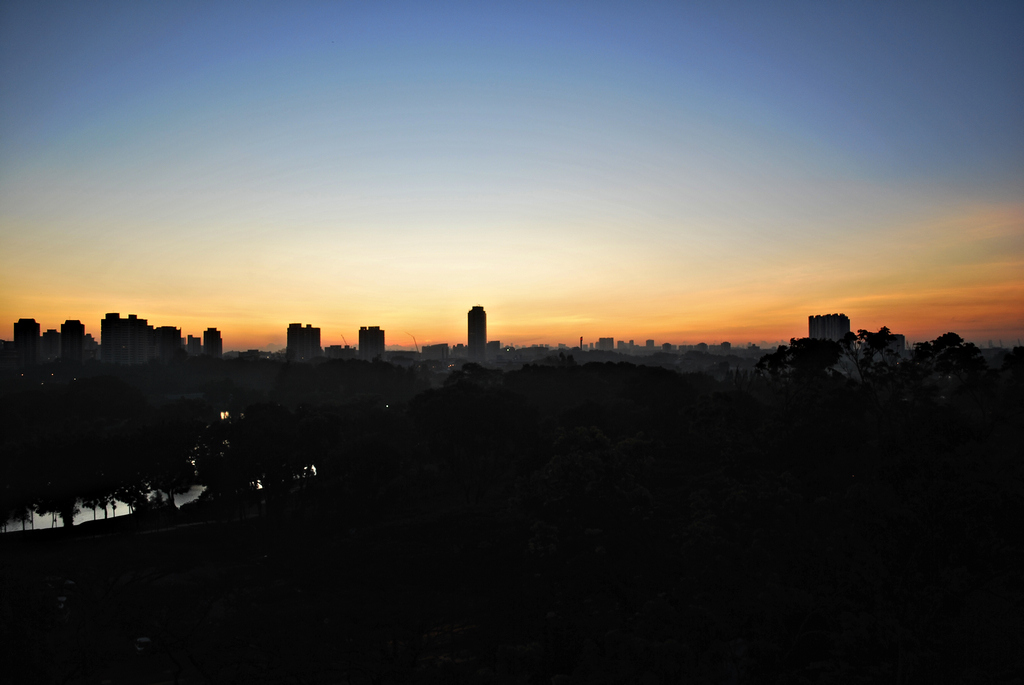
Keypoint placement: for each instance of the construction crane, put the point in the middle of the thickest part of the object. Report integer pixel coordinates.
(414, 343)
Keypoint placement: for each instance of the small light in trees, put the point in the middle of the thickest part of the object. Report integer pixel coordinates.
(224, 415)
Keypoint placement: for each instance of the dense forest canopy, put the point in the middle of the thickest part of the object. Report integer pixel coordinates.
(842, 512)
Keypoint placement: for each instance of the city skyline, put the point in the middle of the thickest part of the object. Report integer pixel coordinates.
(304, 343)
(680, 174)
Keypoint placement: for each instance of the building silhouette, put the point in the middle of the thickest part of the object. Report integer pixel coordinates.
(477, 341)
(828, 326)
(49, 345)
(606, 344)
(371, 343)
(213, 346)
(125, 341)
(167, 342)
(493, 348)
(437, 352)
(26, 342)
(194, 346)
(339, 352)
(72, 342)
(8, 355)
(303, 343)
(898, 345)
(90, 348)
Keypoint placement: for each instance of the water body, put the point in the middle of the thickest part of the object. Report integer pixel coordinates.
(50, 521)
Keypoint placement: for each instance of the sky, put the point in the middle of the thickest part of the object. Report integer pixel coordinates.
(687, 172)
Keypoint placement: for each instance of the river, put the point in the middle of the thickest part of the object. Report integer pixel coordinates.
(51, 521)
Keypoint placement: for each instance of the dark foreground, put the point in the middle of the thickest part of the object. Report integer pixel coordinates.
(563, 523)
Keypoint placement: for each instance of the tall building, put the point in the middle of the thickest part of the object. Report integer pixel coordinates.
(213, 346)
(167, 342)
(72, 342)
(371, 342)
(26, 342)
(8, 355)
(477, 343)
(90, 348)
(828, 326)
(194, 346)
(899, 345)
(124, 341)
(50, 345)
(303, 343)
(606, 344)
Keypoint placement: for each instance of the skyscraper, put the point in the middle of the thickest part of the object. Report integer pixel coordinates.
(303, 343)
(828, 326)
(72, 342)
(371, 342)
(50, 345)
(124, 341)
(26, 342)
(167, 342)
(194, 346)
(212, 344)
(477, 342)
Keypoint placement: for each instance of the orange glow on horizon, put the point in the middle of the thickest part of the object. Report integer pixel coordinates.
(925, 278)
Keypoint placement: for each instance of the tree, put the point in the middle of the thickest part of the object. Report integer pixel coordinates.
(475, 433)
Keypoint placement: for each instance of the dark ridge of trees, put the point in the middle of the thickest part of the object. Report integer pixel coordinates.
(840, 514)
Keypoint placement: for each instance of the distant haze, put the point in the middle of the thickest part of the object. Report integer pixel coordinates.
(630, 171)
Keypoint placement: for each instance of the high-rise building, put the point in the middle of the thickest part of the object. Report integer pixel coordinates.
(125, 341)
(303, 343)
(50, 345)
(194, 346)
(898, 345)
(8, 355)
(477, 342)
(828, 326)
(213, 346)
(72, 342)
(167, 342)
(371, 342)
(606, 344)
(26, 342)
(90, 348)
(493, 348)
